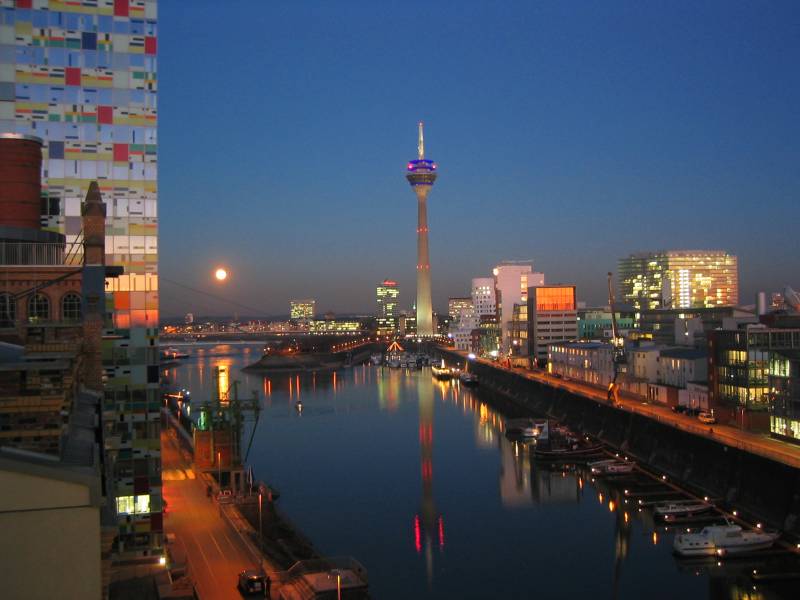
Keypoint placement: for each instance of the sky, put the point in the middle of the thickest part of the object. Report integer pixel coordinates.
(570, 133)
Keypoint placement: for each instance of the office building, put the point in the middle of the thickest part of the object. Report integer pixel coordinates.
(689, 326)
(302, 310)
(484, 296)
(457, 305)
(82, 77)
(552, 317)
(594, 324)
(511, 282)
(679, 279)
(754, 378)
(386, 294)
(421, 174)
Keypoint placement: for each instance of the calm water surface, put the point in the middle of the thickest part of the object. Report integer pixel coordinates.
(414, 478)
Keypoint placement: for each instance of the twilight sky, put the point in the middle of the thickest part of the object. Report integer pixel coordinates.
(572, 133)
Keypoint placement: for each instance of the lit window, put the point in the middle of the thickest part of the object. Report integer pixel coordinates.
(127, 505)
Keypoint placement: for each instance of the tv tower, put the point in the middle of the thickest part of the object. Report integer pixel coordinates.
(421, 175)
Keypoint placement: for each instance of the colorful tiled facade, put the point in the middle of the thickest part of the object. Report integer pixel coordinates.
(82, 75)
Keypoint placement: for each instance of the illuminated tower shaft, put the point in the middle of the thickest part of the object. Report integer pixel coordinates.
(421, 175)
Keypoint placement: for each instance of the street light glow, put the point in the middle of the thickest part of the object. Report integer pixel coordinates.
(221, 274)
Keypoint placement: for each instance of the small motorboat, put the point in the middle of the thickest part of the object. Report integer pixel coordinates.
(721, 540)
(468, 379)
(671, 510)
(611, 467)
(442, 372)
(173, 354)
(574, 452)
(298, 406)
(525, 428)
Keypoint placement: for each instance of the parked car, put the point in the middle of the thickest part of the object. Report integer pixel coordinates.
(693, 412)
(252, 581)
(224, 497)
(679, 408)
(706, 417)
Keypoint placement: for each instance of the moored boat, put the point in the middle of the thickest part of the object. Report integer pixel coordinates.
(468, 379)
(376, 358)
(611, 467)
(669, 510)
(442, 372)
(526, 428)
(721, 540)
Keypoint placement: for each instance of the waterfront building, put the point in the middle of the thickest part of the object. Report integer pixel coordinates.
(300, 310)
(594, 324)
(589, 362)
(462, 326)
(386, 294)
(511, 282)
(82, 77)
(679, 279)
(421, 174)
(678, 367)
(551, 317)
(690, 326)
(486, 338)
(754, 378)
(336, 326)
(484, 296)
(456, 305)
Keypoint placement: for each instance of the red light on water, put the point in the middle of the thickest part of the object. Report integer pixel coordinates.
(417, 535)
(441, 533)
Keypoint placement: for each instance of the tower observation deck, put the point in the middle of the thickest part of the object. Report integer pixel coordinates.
(421, 174)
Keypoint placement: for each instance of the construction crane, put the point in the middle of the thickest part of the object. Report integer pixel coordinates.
(618, 345)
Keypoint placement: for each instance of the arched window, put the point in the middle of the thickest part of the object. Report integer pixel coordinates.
(71, 307)
(8, 310)
(38, 308)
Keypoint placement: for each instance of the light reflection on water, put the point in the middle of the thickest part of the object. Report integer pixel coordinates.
(416, 478)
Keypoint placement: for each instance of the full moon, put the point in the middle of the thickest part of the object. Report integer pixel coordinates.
(221, 274)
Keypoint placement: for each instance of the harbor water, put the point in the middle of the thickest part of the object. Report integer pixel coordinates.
(415, 478)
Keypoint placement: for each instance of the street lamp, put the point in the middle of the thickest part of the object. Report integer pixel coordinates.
(219, 470)
(260, 525)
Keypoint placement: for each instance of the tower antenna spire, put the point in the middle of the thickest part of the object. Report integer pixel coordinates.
(421, 143)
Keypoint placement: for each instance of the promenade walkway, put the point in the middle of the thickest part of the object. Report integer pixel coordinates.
(755, 443)
(214, 551)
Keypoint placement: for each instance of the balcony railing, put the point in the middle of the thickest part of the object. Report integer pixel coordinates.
(40, 253)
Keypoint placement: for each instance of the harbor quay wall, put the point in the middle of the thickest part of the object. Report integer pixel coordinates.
(763, 489)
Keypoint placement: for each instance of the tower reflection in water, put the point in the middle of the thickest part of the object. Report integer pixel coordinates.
(428, 525)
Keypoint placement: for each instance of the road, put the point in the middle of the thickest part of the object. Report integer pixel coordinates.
(215, 552)
(760, 444)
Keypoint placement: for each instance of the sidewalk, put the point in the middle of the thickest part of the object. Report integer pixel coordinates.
(761, 445)
(215, 553)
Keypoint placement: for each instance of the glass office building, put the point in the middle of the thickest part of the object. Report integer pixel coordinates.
(386, 294)
(679, 279)
(82, 77)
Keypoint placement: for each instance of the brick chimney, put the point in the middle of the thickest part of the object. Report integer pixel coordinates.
(93, 215)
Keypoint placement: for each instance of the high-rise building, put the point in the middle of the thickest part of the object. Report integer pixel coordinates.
(82, 77)
(511, 282)
(455, 306)
(679, 279)
(386, 294)
(484, 297)
(552, 318)
(302, 309)
(421, 175)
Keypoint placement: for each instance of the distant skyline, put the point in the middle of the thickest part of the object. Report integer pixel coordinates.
(569, 133)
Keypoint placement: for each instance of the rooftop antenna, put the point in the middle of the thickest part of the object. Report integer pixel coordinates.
(421, 143)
